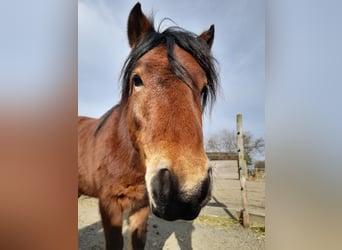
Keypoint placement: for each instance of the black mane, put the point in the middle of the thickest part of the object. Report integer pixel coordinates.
(103, 119)
(186, 40)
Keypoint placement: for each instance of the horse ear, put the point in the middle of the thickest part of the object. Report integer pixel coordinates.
(208, 36)
(138, 25)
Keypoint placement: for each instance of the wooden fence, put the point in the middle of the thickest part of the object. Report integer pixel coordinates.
(216, 156)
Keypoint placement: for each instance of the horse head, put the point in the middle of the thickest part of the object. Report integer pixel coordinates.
(167, 81)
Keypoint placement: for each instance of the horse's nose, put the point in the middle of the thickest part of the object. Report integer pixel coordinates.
(172, 203)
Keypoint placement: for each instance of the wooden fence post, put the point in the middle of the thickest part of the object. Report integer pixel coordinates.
(242, 169)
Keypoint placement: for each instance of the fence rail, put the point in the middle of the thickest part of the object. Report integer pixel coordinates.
(215, 156)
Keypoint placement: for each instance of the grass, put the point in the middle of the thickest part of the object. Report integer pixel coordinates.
(259, 230)
(227, 222)
(216, 221)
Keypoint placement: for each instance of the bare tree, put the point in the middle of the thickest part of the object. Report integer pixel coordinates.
(228, 141)
(252, 146)
(213, 144)
(225, 141)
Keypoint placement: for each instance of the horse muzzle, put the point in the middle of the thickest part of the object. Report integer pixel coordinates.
(172, 203)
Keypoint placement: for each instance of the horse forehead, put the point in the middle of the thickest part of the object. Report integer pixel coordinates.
(157, 58)
(189, 63)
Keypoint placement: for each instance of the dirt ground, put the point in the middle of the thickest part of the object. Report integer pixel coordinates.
(215, 228)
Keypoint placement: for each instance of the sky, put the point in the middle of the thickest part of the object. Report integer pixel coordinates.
(239, 47)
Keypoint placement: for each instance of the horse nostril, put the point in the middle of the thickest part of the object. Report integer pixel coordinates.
(161, 185)
(206, 189)
(165, 181)
(210, 171)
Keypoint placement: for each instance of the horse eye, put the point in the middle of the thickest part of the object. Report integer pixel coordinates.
(204, 91)
(137, 81)
(204, 97)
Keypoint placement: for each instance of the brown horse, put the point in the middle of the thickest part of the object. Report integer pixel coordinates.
(147, 151)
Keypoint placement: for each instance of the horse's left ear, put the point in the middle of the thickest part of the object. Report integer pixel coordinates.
(138, 25)
(208, 36)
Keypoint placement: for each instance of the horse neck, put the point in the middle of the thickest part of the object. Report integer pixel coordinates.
(122, 144)
(121, 131)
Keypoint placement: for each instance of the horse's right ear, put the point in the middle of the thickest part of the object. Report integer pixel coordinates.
(138, 25)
